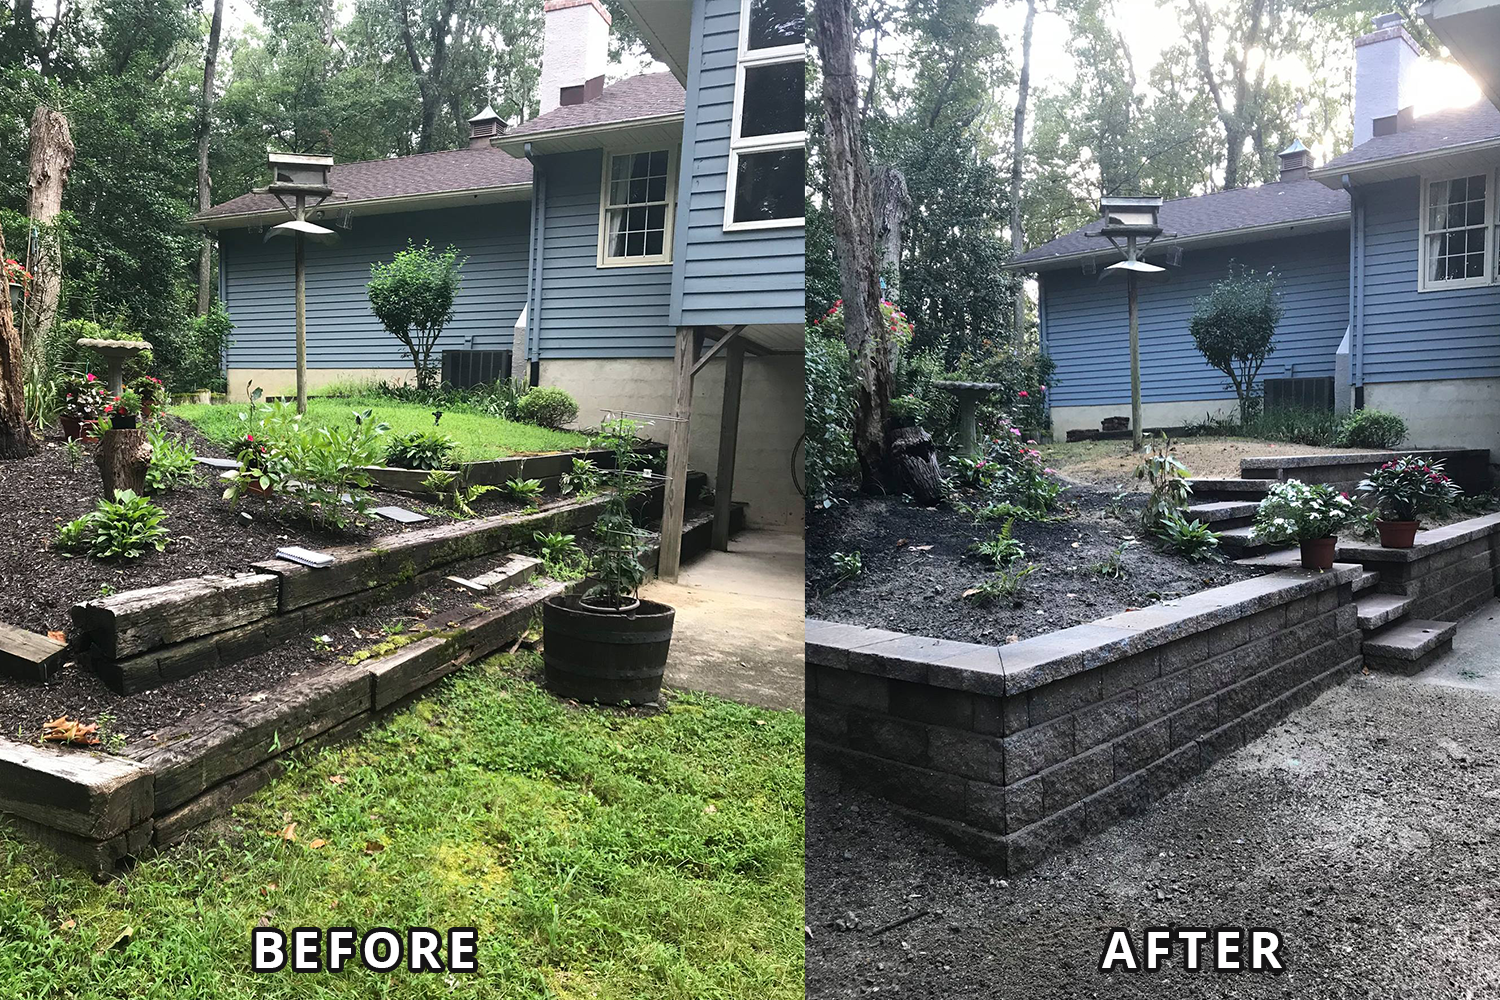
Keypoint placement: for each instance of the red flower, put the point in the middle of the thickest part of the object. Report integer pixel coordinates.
(1024, 394)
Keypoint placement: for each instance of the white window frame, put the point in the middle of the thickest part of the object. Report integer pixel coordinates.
(1492, 229)
(665, 257)
(747, 58)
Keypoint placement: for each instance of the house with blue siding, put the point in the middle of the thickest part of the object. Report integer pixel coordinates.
(639, 244)
(1386, 255)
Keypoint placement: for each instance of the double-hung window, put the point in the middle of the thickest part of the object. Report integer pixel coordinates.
(768, 138)
(1459, 228)
(635, 209)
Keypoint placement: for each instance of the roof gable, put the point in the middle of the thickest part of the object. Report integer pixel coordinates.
(1433, 134)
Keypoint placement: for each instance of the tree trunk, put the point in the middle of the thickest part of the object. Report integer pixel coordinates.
(865, 331)
(51, 158)
(1017, 239)
(892, 204)
(123, 458)
(15, 436)
(205, 194)
(915, 459)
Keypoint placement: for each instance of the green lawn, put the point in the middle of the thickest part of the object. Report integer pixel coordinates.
(479, 437)
(599, 856)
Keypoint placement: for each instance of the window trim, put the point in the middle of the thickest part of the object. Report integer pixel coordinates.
(1491, 226)
(747, 58)
(655, 260)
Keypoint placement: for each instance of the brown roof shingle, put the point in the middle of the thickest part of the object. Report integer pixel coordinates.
(1283, 202)
(1431, 133)
(647, 96)
(424, 173)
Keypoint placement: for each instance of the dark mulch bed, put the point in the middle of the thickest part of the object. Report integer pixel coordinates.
(80, 694)
(209, 535)
(910, 588)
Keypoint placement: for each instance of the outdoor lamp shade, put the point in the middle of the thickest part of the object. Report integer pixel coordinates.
(1138, 268)
(310, 230)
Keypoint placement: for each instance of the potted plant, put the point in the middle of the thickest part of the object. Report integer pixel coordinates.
(83, 402)
(1403, 490)
(1307, 513)
(152, 392)
(20, 282)
(123, 411)
(608, 645)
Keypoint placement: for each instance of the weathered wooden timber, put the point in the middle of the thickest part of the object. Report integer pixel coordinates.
(122, 625)
(88, 794)
(28, 655)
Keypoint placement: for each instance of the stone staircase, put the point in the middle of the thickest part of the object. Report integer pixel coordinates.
(1227, 506)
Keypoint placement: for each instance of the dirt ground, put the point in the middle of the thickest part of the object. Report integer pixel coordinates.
(917, 567)
(1112, 464)
(1365, 827)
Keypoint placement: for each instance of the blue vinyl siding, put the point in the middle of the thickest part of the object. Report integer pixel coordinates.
(1087, 323)
(724, 279)
(587, 311)
(1410, 335)
(342, 332)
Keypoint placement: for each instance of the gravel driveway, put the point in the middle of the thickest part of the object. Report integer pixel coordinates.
(1366, 827)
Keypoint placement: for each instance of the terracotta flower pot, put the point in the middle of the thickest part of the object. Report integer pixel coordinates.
(1397, 534)
(1317, 553)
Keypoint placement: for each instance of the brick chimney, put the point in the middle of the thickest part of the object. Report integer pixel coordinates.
(485, 127)
(1385, 61)
(1296, 161)
(575, 51)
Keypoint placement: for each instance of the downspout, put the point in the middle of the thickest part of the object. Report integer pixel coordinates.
(538, 249)
(1356, 283)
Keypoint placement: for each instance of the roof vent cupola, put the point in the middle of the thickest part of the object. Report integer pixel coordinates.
(1296, 162)
(485, 127)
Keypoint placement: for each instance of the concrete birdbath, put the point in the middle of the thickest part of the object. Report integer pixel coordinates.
(969, 395)
(116, 353)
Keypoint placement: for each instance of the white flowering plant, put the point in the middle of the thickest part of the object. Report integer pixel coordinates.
(1294, 511)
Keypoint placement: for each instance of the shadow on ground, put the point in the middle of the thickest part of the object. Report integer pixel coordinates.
(1365, 826)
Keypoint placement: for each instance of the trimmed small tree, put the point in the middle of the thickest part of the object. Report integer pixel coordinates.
(412, 296)
(1234, 328)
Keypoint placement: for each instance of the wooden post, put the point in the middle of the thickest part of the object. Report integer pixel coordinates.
(301, 268)
(123, 457)
(729, 434)
(675, 502)
(1136, 435)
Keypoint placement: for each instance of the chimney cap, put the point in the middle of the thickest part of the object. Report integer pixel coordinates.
(1388, 20)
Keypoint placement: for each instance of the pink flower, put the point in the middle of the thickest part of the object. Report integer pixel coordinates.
(1042, 387)
(90, 377)
(1024, 394)
(1049, 471)
(1016, 431)
(1030, 442)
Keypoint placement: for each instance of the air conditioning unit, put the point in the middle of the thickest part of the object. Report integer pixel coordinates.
(462, 369)
(1298, 393)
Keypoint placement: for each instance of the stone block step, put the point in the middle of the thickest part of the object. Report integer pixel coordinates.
(1377, 610)
(1408, 646)
(1367, 580)
(1225, 513)
(1238, 543)
(1240, 490)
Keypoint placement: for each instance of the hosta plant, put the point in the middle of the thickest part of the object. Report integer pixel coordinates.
(1295, 511)
(123, 528)
(420, 450)
(1191, 539)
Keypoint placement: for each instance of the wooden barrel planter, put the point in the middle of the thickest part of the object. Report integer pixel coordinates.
(605, 656)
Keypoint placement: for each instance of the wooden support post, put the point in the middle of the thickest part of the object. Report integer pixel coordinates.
(675, 504)
(301, 269)
(1136, 432)
(729, 432)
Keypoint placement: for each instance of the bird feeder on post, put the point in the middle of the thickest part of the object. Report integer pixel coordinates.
(300, 177)
(1132, 219)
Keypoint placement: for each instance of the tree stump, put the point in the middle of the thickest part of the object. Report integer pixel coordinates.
(915, 459)
(123, 457)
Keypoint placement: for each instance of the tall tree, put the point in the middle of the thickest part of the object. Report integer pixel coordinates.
(205, 122)
(1017, 159)
(848, 176)
(50, 160)
(436, 23)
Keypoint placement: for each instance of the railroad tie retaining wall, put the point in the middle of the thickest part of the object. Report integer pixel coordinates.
(1015, 752)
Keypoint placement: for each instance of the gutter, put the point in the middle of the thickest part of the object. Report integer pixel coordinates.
(1332, 175)
(536, 261)
(515, 144)
(1254, 232)
(1356, 282)
(369, 206)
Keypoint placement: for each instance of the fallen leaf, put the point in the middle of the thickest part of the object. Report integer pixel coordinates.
(373, 847)
(921, 548)
(123, 938)
(58, 637)
(67, 925)
(71, 731)
(710, 808)
(1012, 638)
(269, 888)
(337, 779)
(315, 844)
(333, 905)
(971, 592)
(900, 542)
(288, 833)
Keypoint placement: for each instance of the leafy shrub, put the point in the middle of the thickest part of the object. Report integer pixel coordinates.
(172, 463)
(1294, 511)
(1001, 549)
(1004, 510)
(1168, 478)
(524, 490)
(848, 565)
(420, 450)
(828, 412)
(1371, 429)
(458, 497)
(123, 528)
(973, 471)
(562, 557)
(909, 411)
(1297, 425)
(584, 479)
(616, 564)
(1020, 477)
(546, 406)
(1191, 539)
(412, 296)
(1234, 328)
(1409, 486)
